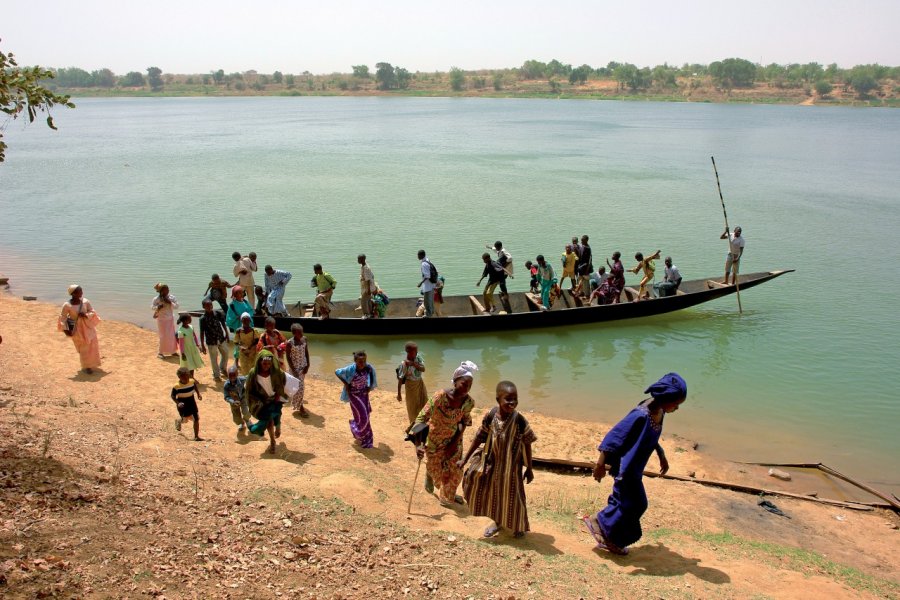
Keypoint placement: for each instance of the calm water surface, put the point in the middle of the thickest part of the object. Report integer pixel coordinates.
(132, 191)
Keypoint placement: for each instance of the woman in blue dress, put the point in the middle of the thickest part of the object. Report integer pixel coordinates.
(624, 452)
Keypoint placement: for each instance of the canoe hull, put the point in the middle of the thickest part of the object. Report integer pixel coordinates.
(696, 292)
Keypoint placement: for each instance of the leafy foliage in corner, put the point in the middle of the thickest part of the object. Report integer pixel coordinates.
(21, 91)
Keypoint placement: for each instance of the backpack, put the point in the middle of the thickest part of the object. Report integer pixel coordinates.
(432, 272)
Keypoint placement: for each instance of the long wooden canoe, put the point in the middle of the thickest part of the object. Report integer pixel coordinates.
(465, 314)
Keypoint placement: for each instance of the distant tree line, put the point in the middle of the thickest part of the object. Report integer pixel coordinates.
(726, 75)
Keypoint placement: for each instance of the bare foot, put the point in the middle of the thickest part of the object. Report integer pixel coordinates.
(277, 432)
(271, 450)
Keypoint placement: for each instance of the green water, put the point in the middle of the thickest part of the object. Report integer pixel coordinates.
(132, 191)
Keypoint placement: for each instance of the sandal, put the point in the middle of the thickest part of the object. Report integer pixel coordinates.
(491, 530)
(594, 531)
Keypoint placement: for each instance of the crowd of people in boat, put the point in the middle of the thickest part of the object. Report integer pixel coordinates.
(268, 373)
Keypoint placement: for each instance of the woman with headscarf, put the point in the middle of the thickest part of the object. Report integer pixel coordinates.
(164, 305)
(624, 452)
(448, 413)
(359, 379)
(79, 321)
(238, 306)
(264, 392)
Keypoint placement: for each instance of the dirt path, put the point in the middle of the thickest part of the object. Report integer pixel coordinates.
(102, 498)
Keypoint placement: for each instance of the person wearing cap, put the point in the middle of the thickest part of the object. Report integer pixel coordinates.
(735, 251)
(448, 413)
(79, 321)
(245, 342)
(624, 453)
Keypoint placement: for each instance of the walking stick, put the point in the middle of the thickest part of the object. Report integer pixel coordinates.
(413, 490)
(734, 264)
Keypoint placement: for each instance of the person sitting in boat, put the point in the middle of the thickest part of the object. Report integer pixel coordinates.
(597, 278)
(380, 301)
(606, 293)
(671, 282)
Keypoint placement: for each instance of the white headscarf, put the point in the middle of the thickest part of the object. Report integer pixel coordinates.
(465, 369)
(245, 315)
(71, 289)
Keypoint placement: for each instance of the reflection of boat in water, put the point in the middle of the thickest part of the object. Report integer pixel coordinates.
(465, 314)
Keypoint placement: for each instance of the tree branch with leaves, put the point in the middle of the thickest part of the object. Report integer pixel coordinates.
(21, 91)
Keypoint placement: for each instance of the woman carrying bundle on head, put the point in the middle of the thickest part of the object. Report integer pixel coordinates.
(448, 413)
(624, 452)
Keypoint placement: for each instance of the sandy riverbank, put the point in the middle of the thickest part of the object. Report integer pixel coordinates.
(105, 499)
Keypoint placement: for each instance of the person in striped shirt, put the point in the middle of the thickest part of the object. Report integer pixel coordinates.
(183, 394)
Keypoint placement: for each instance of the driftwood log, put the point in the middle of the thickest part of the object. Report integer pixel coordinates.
(551, 463)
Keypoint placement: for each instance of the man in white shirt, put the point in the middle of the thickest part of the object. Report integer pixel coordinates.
(735, 251)
(503, 257)
(426, 284)
(671, 281)
(366, 286)
(244, 266)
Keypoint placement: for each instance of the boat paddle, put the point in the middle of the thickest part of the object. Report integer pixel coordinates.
(735, 264)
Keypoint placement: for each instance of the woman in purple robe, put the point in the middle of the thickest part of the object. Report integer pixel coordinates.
(624, 452)
(359, 379)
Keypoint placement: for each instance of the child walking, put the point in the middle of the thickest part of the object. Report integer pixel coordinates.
(233, 390)
(188, 345)
(214, 337)
(297, 359)
(245, 341)
(493, 483)
(271, 340)
(359, 379)
(409, 373)
(183, 394)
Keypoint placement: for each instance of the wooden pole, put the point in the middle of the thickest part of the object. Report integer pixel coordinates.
(413, 490)
(735, 264)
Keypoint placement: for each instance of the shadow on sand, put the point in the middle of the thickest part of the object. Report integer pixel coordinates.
(659, 561)
(96, 375)
(291, 456)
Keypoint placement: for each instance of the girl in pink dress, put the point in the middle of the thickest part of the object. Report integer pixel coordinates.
(84, 328)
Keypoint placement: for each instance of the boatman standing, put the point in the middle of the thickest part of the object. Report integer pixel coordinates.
(735, 251)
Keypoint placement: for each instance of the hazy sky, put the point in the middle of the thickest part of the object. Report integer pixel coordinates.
(190, 36)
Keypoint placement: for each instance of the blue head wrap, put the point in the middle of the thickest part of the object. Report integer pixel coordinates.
(670, 387)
